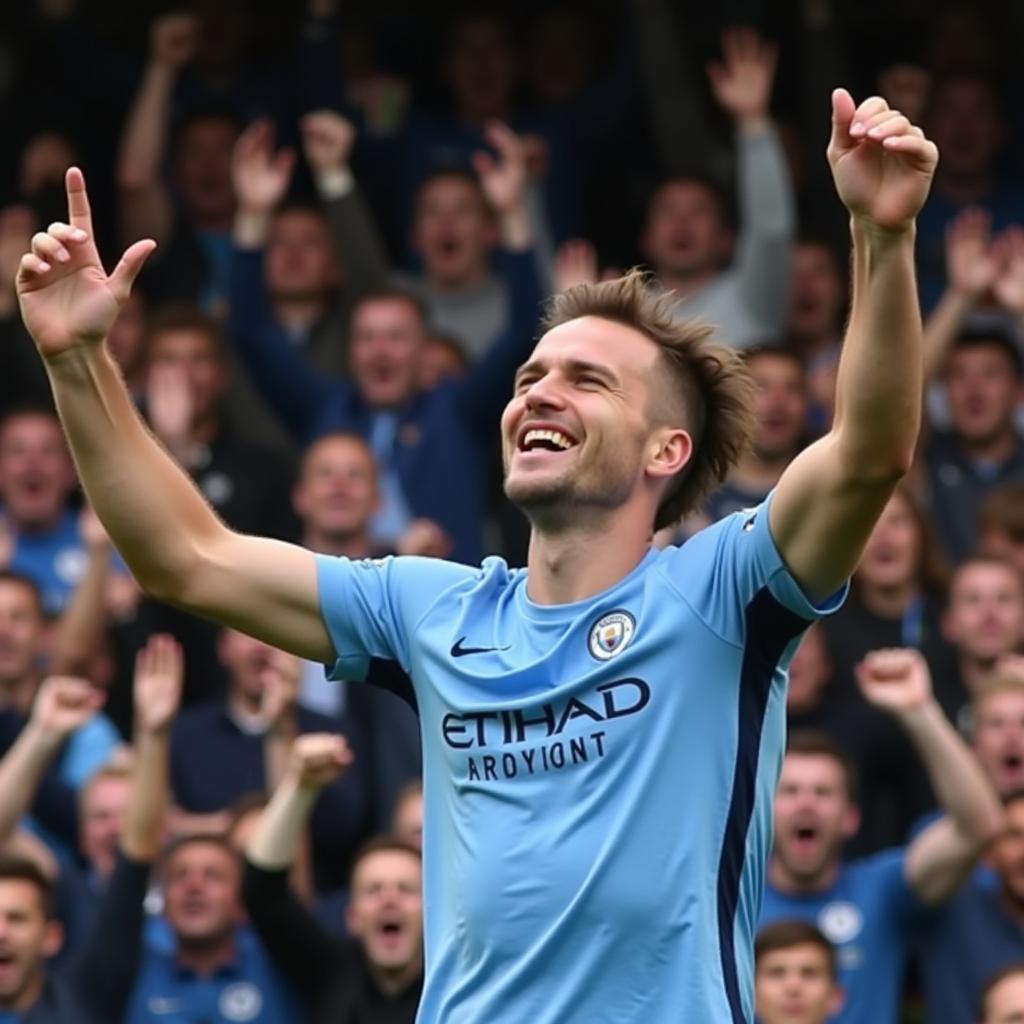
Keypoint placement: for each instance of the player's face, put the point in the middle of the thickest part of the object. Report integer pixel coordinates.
(386, 909)
(300, 260)
(999, 739)
(983, 392)
(36, 472)
(574, 433)
(893, 550)
(685, 233)
(26, 939)
(780, 405)
(813, 815)
(1005, 1002)
(986, 611)
(203, 169)
(194, 354)
(385, 344)
(794, 986)
(816, 297)
(246, 660)
(454, 230)
(103, 810)
(201, 889)
(337, 493)
(21, 631)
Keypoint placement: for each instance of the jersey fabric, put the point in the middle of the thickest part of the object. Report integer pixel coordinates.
(598, 776)
(869, 915)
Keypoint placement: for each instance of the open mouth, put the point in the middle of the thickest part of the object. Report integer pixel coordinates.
(546, 440)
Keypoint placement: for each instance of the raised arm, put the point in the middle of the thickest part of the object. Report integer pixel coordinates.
(830, 496)
(898, 682)
(165, 530)
(144, 203)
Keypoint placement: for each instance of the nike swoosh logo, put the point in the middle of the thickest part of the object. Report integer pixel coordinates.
(458, 651)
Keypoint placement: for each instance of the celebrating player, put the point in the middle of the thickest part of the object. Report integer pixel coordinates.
(602, 731)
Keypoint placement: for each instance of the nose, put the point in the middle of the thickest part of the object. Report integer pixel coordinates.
(544, 393)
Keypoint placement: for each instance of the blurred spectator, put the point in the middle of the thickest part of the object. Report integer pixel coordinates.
(795, 975)
(432, 450)
(1002, 999)
(443, 359)
(966, 123)
(984, 622)
(375, 979)
(1001, 524)
(867, 907)
(739, 283)
(187, 378)
(217, 970)
(95, 986)
(997, 736)
(191, 219)
(407, 820)
(980, 930)
(225, 748)
(22, 651)
(814, 327)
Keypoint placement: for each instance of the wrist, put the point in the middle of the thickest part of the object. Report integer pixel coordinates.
(252, 225)
(43, 738)
(334, 182)
(516, 228)
(753, 124)
(921, 716)
(285, 726)
(865, 230)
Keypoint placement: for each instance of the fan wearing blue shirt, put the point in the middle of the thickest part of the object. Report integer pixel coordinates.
(603, 730)
(869, 908)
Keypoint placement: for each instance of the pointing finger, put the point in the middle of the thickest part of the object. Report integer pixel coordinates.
(78, 201)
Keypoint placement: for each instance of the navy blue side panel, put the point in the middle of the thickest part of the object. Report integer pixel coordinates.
(769, 629)
(388, 675)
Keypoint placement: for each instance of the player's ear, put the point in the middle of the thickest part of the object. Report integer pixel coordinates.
(670, 449)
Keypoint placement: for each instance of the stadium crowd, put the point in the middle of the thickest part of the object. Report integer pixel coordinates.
(359, 214)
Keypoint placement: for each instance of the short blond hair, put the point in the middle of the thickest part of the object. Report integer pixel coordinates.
(997, 683)
(710, 380)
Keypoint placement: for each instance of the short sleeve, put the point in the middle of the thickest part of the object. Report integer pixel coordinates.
(371, 606)
(723, 568)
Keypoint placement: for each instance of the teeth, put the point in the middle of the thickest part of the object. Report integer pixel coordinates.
(554, 436)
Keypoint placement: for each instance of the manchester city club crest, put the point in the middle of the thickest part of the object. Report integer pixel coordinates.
(611, 634)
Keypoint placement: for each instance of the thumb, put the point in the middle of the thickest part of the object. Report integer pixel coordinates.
(123, 277)
(843, 109)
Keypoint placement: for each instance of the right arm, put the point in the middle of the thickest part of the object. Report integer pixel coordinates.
(145, 205)
(166, 532)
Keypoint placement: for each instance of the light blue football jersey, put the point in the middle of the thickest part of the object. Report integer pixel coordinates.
(598, 776)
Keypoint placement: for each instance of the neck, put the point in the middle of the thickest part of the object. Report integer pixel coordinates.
(393, 980)
(572, 563)
(206, 956)
(28, 996)
(887, 602)
(757, 472)
(41, 527)
(975, 672)
(961, 191)
(797, 885)
(473, 278)
(685, 283)
(299, 314)
(997, 448)
(356, 545)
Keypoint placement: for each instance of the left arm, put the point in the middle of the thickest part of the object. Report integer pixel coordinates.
(938, 860)
(828, 499)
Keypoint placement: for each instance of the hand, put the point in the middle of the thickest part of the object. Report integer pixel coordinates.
(170, 406)
(742, 83)
(281, 679)
(536, 154)
(503, 180)
(64, 704)
(173, 40)
(895, 679)
(157, 684)
(575, 263)
(1008, 253)
(882, 164)
(425, 538)
(93, 533)
(906, 87)
(67, 298)
(327, 140)
(970, 263)
(16, 226)
(261, 176)
(317, 759)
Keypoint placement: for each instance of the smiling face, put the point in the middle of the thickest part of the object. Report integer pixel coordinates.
(983, 388)
(336, 495)
(386, 909)
(985, 618)
(386, 341)
(27, 938)
(578, 434)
